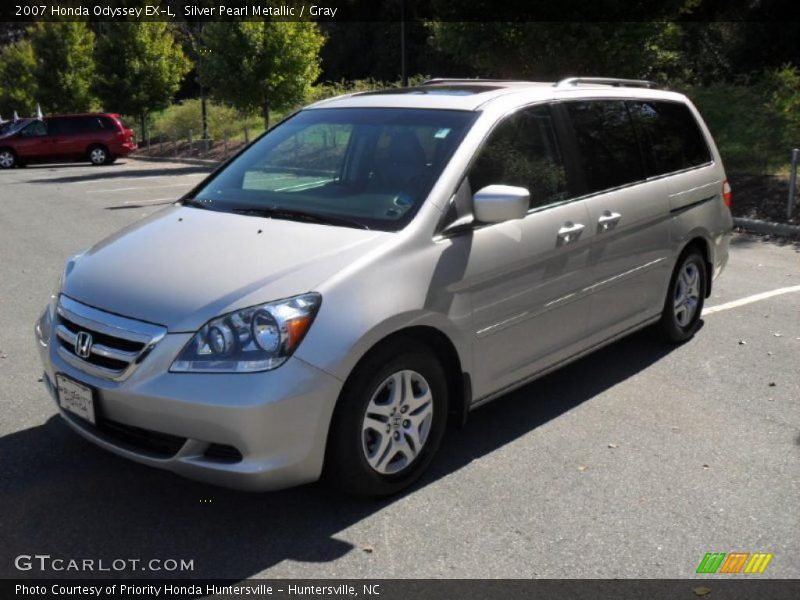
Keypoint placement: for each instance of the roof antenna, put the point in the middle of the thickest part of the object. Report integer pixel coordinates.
(39, 114)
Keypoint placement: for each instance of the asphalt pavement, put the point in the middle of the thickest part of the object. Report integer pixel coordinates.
(633, 462)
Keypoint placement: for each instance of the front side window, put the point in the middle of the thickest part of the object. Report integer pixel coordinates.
(370, 167)
(670, 133)
(607, 145)
(35, 129)
(523, 151)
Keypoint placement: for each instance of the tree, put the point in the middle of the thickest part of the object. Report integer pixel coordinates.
(65, 66)
(139, 68)
(17, 83)
(551, 50)
(260, 65)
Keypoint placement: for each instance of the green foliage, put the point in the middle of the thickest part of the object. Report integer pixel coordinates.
(552, 50)
(65, 68)
(783, 85)
(140, 66)
(260, 65)
(754, 123)
(17, 84)
(329, 89)
(181, 118)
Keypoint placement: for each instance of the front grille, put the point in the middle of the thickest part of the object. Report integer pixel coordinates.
(117, 344)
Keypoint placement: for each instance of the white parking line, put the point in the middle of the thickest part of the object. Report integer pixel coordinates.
(139, 187)
(750, 299)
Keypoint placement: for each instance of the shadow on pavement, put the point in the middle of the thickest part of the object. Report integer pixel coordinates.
(56, 166)
(64, 497)
(105, 174)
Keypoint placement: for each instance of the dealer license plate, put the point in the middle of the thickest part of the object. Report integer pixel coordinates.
(75, 397)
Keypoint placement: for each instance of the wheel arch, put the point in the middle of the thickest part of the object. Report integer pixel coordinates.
(96, 145)
(458, 381)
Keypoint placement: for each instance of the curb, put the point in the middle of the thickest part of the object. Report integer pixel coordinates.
(767, 227)
(179, 159)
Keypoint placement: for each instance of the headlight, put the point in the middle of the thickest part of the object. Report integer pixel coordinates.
(258, 338)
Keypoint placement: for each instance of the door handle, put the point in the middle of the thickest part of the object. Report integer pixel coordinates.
(608, 219)
(570, 232)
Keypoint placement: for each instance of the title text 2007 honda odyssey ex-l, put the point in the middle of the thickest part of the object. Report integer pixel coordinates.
(379, 264)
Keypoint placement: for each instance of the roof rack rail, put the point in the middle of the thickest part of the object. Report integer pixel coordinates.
(573, 81)
(465, 80)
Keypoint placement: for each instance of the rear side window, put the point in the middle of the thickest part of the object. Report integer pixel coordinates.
(59, 126)
(523, 151)
(109, 124)
(91, 124)
(671, 136)
(607, 145)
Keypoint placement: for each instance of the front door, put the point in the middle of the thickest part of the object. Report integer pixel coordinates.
(526, 277)
(33, 142)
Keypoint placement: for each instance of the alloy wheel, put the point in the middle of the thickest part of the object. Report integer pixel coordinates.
(397, 422)
(97, 156)
(6, 159)
(687, 294)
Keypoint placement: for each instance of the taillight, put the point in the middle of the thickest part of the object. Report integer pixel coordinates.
(727, 194)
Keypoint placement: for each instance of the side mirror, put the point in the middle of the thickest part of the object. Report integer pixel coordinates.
(498, 203)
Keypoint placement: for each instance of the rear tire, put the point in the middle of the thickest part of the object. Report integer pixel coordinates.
(99, 155)
(7, 159)
(683, 306)
(389, 421)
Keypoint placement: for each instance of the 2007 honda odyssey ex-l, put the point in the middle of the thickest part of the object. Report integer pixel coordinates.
(379, 264)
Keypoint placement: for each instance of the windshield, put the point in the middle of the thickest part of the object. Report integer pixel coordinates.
(10, 127)
(367, 167)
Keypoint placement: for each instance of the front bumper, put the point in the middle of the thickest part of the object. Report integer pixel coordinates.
(277, 420)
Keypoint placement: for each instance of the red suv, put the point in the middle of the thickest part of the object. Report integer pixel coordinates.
(99, 138)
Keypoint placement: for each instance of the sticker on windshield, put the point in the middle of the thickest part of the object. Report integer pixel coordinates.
(442, 133)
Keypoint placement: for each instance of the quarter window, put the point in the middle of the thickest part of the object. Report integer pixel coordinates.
(671, 136)
(607, 145)
(523, 151)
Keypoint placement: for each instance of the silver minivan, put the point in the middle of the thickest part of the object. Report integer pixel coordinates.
(379, 264)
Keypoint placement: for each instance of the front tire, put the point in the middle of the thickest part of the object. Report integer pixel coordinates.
(389, 421)
(683, 306)
(7, 159)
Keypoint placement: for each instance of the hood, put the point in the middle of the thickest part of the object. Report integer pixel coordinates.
(183, 266)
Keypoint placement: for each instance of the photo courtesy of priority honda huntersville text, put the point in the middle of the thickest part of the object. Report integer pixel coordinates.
(364, 274)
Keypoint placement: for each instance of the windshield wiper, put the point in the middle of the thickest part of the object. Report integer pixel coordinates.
(299, 215)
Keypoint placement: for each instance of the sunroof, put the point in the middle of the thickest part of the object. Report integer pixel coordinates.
(438, 90)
